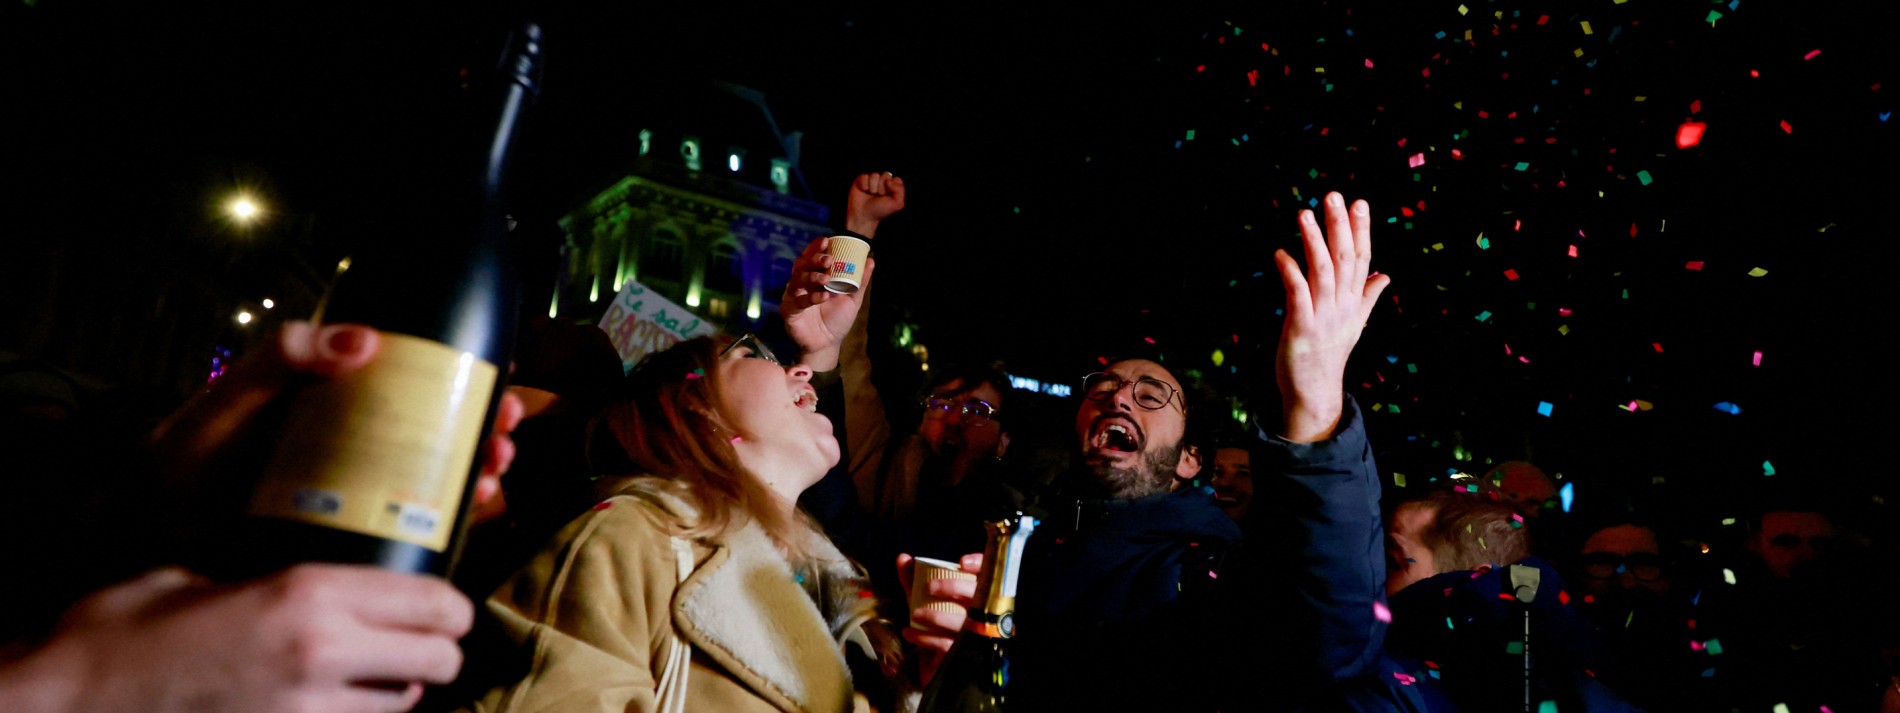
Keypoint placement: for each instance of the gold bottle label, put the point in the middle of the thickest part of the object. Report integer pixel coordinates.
(385, 450)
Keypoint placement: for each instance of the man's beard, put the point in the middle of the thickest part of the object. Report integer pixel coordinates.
(1153, 473)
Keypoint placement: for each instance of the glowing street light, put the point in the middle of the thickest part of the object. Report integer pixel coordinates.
(244, 209)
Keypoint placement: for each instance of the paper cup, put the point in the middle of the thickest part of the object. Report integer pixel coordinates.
(847, 263)
(924, 571)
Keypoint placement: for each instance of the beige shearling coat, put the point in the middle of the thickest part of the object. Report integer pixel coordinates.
(598, 606)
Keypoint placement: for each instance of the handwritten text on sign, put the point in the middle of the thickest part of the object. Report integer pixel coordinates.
(641, 322)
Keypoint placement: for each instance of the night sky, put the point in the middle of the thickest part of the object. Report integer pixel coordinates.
(1083, 182)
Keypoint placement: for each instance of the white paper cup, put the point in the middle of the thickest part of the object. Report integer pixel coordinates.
(847, 263)
(924, 571)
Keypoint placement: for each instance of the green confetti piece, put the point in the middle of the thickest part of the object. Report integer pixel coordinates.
(1398, 479)
(1757, 272)
(1713, 16)
(1394, 407)
(1714, 646)
(1548, 707)
(1640, 176)
(1482, 316)
(1448, 623)
(1514, 648)
(1190, 135)
(1521, 165)
(1767, 468)
(1411, 368)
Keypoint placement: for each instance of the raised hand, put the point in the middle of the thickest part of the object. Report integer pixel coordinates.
(816, 318)
(1326, 309)
(874, 197)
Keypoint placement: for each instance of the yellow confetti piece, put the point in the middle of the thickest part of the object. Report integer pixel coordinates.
(1467, 35)
(1586, 28)
(1462, 9)
(1579, 52)
(1564, 330)
(1398, 479)
(1757, 272)
(1728, 575)
(1642, 99)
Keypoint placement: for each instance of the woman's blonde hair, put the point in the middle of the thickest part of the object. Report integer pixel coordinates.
(668, 419)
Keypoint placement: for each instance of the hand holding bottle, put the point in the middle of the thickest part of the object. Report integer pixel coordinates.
(210, 428)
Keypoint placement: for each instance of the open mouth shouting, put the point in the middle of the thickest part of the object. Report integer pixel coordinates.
(806, 399)
(1114, 436)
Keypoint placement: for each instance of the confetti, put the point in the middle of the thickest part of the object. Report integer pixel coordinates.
(1381, 612)
(1757, 272)
(1687, 135)
(1729, 408)
(1767, 468)
(1543, 408)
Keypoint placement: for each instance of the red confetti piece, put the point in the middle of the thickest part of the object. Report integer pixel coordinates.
(1695, 107)
(603, 505)
(1754, 73)
(1657, 345)
(1510, 274)
(1456, 154)
(1563, 311)
(1253, 77)
(1573, 251)
(1689, 134)
(1785, 126)
(1694, 265)
(1201, 68)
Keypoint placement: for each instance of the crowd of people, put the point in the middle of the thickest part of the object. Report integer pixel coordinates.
(725, 528)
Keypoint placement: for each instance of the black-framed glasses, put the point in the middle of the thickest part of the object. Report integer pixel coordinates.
(973, 411)
(754, 348)
(1151, 394)
(1644, 566)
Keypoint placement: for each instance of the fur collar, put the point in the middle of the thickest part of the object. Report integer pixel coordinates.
(744, 608)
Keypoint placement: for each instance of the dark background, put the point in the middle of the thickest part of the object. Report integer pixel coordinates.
(1060, 211)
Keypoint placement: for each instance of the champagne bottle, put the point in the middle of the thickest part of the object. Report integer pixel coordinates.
(975, 675)
(377, 466)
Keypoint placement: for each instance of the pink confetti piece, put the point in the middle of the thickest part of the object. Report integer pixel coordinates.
(1381, 612)
(1757, 358)
(1369, 61)
(736, 439)
(1811, 54)
(1573, 251)
(1418, 159)
(1563, 311)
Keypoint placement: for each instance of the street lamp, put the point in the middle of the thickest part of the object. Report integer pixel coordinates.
(244, 209)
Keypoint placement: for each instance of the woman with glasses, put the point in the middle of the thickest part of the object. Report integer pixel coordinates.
(697, 570)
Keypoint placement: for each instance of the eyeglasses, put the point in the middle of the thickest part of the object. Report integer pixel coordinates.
(1150, 394)
(754, 348)
(1644, 566)
(974, 412)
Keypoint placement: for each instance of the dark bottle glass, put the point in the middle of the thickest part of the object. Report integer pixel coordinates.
(975, 675)
(378, 467)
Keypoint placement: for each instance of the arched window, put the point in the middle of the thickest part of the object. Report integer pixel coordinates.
(665, 255)
(779, 274)
(725, 270)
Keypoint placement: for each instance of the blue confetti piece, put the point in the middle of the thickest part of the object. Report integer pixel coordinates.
(1440, 35)
(1482, 316)
(1543, 408)
(1733, 4)
(1389, 359)
(1568, 494)
(1884, 115)
(1729, 408)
